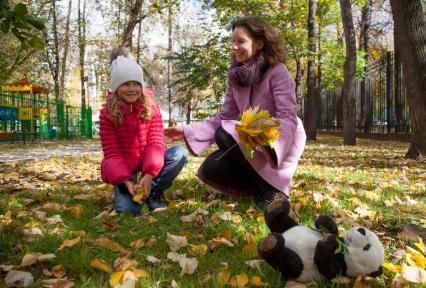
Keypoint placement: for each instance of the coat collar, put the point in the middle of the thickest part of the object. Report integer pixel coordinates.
(133, 107)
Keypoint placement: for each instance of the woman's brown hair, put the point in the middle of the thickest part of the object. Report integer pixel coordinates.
(262, 31)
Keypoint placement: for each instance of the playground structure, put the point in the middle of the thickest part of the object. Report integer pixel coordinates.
(27, 113)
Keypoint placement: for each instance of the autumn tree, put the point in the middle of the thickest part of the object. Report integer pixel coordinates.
(349, 100)
(410, 32)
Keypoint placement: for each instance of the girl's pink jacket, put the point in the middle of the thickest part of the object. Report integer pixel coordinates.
(133, 145)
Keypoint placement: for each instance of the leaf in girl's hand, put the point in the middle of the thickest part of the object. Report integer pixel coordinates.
(139, 194)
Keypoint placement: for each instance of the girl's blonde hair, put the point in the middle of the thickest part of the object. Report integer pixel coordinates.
(116, 114)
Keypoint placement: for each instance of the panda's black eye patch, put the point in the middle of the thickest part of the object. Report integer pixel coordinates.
(366, 247)
(362, 231)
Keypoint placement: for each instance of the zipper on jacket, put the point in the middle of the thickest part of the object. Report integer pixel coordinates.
(131, 107)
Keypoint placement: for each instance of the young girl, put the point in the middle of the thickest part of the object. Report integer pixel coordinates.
(131, 132)
(256, 77)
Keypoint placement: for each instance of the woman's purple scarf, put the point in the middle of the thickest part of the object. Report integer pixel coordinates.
(243, 74)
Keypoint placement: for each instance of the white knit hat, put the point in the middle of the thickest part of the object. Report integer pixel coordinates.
(125, 69)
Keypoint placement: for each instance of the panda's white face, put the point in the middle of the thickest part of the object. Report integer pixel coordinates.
(365, 252)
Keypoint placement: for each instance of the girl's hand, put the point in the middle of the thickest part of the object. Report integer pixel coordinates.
(129, 186)
(146, 182)
(173, 134)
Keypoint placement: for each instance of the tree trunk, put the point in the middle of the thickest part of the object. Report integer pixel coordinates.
(364, 44)
(311, 105)
(169, 65)
(320, 96)
(56, 52)
(349, 103)
(299, 87)
(134, 18)
(188, 111)
(398, 87)
(82, 48)
(410, 26)
(66, 45)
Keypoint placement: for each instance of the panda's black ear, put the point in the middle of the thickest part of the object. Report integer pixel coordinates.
(377, 273)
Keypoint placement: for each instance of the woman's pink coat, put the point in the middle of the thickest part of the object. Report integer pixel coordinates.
(275, 93)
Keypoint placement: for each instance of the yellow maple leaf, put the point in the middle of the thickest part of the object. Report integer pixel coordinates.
(260, 124)
(257, 281)
(101, 265)
(393, 267)
(223, 276)
(421, 246)
(139, 194)
(239, 281)
(415, 258)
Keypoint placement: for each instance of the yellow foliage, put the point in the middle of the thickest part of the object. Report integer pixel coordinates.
(257, 124)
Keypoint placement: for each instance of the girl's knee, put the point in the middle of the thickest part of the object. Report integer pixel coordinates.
(177, 153)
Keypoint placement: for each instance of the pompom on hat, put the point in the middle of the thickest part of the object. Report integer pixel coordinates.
(124, 68)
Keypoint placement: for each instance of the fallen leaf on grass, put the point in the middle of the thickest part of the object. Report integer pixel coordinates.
(193, 216)
(16, 278)
(111, 245)
(55, 219)
(421, 246)
(123, 279)
(151, 241)
(415, 258)
(292, 284)
(124, 263)
(257, 282)
(101, 265)
(69, 243)
(410, 232)
(137, 243)
(414, 274)
(6, 268)
(223, 276)
(239, 281)
(197, 250)
(176, 242)
(58, 271)
(393, 267)
(153, 260)
(188, 265)
(255, 264)
(57, 283)
(32, 258)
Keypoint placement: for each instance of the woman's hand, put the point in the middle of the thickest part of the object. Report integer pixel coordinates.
(129, 186)
(145, 183)
(173, 134)
(255, 142)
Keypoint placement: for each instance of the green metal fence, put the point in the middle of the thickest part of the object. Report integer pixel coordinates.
(29, 117)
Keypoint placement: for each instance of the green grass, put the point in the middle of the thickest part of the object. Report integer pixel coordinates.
(326, 169)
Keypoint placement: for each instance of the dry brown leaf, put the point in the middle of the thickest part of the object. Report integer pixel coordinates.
(111, 245)
(410, 232)
(223, 276)
(16, 278)
(6, 268)
(197, 250)
(251, 212)
(257, 282)
(57, 283)
(176, 242)
(58, 271)
(101, 265)
(139, 273)
(124, 263)
(29, 259)
(255, 264)
(250, 249)
(193, 216)
(239, 281)
(175, 257)
(151, 241)
(153, 260)
(41, 215)
(55, 219)
(292, 284)
(343, 280)
(137, 243)
(69, 243)
(188, 265)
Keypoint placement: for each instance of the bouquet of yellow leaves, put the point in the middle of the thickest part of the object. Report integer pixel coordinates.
(257, 126)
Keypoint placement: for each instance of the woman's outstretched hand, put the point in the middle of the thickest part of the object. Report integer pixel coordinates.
(172, 134)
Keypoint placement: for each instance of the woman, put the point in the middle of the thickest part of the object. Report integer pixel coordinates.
(256, 77)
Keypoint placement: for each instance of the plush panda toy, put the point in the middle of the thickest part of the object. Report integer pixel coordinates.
(303, 254)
